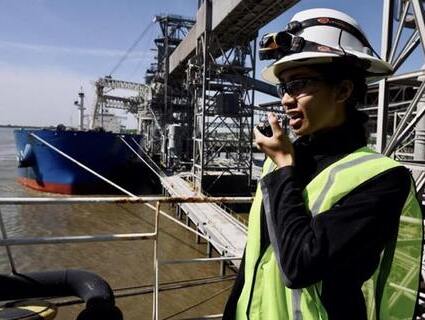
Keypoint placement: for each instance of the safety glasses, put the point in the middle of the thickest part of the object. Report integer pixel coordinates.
(296, 87)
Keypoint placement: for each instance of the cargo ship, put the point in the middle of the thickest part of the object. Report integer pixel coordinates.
(42, 168)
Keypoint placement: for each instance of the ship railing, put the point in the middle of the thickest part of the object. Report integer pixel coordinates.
(158, 200)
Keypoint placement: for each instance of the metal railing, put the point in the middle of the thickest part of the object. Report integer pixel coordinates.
(158, 200)
(121, 237)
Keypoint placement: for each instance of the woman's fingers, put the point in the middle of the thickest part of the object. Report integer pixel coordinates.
(274, 123)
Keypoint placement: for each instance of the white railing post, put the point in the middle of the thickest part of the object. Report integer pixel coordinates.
(155, 300)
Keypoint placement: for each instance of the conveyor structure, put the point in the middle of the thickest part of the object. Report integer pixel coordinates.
(196, 106)
(233, 23)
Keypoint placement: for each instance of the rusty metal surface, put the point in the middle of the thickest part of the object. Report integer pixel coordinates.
(75, 200)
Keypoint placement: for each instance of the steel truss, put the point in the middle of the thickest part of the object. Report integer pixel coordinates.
(223, 117)
(401, 96)
(105, 101)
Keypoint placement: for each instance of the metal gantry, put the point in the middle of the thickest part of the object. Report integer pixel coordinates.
(222, 104)
(196, 107)
(220, 51)
(167, 114)
(106, 101)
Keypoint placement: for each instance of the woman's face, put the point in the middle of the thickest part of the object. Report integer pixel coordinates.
(311, 104)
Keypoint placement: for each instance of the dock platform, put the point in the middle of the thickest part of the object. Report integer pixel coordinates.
(228, 235)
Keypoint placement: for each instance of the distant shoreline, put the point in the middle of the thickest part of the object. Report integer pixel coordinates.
(14, 126)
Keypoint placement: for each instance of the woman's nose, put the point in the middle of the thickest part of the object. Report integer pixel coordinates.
(288, 102)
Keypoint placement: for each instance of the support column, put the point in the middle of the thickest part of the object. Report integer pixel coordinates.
(382, 121)
(419, 149)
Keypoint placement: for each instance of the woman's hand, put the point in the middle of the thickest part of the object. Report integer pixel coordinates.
(278, 147)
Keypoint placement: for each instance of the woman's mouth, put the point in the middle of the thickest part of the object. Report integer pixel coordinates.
(295, 119)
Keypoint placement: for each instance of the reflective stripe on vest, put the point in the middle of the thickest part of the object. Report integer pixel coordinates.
(392, 291)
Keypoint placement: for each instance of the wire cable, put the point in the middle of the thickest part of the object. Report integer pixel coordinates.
(132, 47)
(199, 303)
(147, 58)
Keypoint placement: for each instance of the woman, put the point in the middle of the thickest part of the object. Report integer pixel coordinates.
(324, 238)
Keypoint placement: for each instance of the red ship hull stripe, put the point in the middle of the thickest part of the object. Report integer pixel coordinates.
(46, 186)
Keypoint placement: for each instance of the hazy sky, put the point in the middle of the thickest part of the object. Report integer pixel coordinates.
(50, 48)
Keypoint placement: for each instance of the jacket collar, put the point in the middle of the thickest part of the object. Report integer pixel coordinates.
(339, 140)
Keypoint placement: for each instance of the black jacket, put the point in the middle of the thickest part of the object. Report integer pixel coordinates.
(340, 247)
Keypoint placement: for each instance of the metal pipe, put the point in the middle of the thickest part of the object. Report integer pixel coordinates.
(198, 260)
(76, 239)
(406, 76)
(393, 105)
(211, 316)
(121, 200)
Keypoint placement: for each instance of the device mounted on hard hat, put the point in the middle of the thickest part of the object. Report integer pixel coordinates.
(318, 36)
(279, 44)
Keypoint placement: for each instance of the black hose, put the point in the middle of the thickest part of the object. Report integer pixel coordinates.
(94, 290)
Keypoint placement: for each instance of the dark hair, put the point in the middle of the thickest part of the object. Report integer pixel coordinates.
(340, 70)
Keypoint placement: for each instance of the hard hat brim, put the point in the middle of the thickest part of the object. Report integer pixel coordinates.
(378, 69)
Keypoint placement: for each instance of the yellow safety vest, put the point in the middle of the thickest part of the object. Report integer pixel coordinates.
(390, 294)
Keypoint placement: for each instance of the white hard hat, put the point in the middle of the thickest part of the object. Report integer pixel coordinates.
(320, 36)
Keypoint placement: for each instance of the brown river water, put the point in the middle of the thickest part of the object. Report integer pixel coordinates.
(124, 265)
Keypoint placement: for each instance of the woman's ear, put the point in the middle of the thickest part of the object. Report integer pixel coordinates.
(345, 89)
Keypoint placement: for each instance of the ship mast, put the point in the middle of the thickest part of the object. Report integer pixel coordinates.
(80, 105)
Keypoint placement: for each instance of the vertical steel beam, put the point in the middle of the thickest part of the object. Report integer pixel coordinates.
(206, 38)
(209, 249)
(8, 251)
(419, 20)
(166, 115)
(386, 40)
(419, 150)
(155, 300)
(222, 268)
(200, 93)
(251, 129)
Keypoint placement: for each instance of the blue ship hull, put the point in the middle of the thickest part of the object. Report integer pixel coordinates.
(42, 168)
